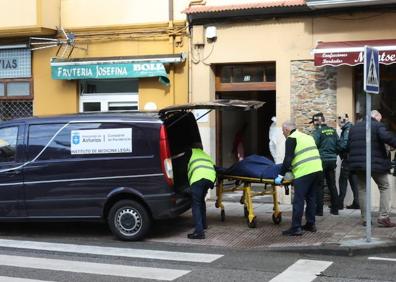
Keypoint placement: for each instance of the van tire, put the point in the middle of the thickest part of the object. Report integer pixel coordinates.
(129, 220)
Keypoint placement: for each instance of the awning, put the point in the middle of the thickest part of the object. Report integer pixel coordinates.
(114, 67)
(351, 52)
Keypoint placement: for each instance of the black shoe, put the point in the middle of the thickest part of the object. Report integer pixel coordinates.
(309, 227)
(196, 235)
(319, 213)
(292, 232)
(353, 207)
(205, 226)
(334, 211)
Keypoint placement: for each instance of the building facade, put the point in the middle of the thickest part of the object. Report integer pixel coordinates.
(68, 56)
(276, 51)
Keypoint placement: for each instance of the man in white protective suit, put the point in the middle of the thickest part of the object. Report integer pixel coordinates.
(277, 142)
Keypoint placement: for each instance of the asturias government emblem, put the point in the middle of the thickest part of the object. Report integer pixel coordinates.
(76, 138)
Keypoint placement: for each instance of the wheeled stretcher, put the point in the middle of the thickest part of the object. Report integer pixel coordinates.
(241, 183)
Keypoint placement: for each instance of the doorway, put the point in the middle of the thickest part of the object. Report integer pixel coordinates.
(244, 82)
(385, 101)
(254, 124)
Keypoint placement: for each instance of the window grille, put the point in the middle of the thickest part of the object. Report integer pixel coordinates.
(10, 109)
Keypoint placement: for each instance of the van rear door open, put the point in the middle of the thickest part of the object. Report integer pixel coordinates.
(220, 104)
(182, 130)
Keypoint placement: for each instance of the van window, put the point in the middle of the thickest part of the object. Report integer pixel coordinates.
(60, 147)
(8, 141)
(39, 136)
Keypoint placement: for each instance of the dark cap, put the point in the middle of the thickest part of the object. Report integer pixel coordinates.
(317, 117)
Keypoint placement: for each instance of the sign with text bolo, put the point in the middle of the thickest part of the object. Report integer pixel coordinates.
(371, 70)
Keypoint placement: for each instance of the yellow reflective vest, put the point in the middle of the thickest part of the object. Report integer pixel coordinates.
(200, 166)
(306, 155)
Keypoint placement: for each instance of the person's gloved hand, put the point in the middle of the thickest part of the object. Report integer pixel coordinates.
(278, 180)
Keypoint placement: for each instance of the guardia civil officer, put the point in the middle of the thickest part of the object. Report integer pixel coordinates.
(326, 140)
(303, 159)
(201, 176)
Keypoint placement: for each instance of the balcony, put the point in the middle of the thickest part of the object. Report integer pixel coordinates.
(25, 18)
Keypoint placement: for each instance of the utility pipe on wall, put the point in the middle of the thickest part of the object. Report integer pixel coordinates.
(172, 38)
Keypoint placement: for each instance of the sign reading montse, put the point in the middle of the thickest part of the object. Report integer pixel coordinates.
(371, 70)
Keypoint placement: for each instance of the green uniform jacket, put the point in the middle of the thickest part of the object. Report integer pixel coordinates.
(326, 139)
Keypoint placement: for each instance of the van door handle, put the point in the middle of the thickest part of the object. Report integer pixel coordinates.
(12, 172)
(35, 167)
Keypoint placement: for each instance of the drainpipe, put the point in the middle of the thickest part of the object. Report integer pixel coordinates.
(192, 3)
(172, 39)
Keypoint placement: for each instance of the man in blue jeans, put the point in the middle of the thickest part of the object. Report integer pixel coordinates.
(201, 176)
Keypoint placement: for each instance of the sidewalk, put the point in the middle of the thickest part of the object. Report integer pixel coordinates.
(342, 234)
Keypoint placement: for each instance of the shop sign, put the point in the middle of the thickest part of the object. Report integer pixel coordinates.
(352, 58)
(15, 63)
(72, 71)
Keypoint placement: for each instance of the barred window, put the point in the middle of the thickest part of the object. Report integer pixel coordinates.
(16, 83)
(10, 109)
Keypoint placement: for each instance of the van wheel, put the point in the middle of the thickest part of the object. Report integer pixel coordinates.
(129, 220)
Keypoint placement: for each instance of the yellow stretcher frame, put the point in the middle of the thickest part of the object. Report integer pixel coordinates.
(245, 184)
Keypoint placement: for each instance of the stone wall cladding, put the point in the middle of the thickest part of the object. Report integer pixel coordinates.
(313, 90)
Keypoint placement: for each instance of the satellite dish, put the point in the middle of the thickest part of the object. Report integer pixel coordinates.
(65, 42)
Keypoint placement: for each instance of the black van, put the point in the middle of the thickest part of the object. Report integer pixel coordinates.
(126, 168)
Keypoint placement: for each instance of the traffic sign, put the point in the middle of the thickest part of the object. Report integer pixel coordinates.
(371, 70)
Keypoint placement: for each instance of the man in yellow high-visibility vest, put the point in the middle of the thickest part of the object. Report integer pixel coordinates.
(303, 159)
(201, 176)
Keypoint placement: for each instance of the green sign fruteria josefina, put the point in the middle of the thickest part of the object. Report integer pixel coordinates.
(67, 71)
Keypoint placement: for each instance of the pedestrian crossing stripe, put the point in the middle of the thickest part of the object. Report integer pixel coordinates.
(383, 259)
(303, 270)
(111, 251)
(17, 279)
(93, 268)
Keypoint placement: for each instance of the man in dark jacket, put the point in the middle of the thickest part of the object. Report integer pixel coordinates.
(345, 173)
(326, 140)
(380, 164)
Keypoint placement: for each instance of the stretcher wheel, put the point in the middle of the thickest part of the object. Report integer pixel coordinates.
(222, 215)
(252, 224)
(245, 212)
(277, 219)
